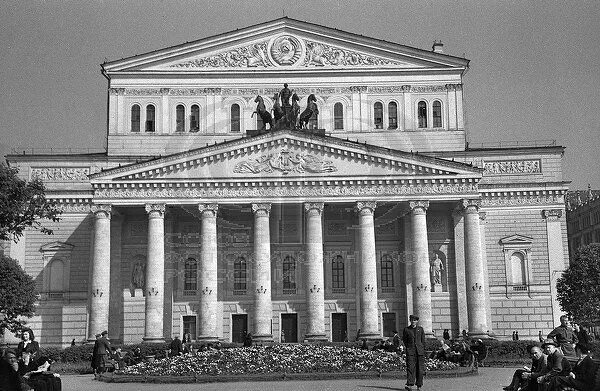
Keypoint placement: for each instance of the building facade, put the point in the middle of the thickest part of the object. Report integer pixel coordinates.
(193, 222)
(583, 218)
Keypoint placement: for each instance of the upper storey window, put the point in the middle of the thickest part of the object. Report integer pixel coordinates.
(378, 115)
(180, 118)
(437, 114)
(135, 118)
(235, 117)
(393, 115)
(195, 119)
(150, 118)
(422, 114)
(338, 116)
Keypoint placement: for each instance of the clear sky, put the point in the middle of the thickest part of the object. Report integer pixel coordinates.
(534, 74)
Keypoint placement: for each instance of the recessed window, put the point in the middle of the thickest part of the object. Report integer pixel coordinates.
(57, 276)
(422, 114)
(235, 117)
(387, 272)
(239, 274)
(135, 118)
(517, 261)
(378, 115)
(289, 274)
(191, 275)
(150, 118)
(337, 273)
(195, 119)
(437, 114)
(180, 118)
(338, 116)
(393, 115)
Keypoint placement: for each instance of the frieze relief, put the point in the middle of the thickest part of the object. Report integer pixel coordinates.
(285, 162)
(61, 174)
(522, 200)
(513, 167)
(291, 191)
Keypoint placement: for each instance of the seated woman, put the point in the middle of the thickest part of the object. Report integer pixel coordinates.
(42, 377)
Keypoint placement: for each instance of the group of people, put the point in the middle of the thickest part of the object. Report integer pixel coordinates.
(551, 367)
(26, 369)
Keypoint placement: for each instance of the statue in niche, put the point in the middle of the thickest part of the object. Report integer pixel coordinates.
(436, 266)
(138, 275)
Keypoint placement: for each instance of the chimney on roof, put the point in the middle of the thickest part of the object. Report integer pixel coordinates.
(438, 47)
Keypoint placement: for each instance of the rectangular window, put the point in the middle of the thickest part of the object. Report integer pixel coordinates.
(239, 275)
(289, 275)
(189, 326)
(389, 323)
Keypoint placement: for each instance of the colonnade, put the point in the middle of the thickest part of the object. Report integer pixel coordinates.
(314, 280)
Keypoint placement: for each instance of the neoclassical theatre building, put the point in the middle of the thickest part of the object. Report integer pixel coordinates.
(192, 221)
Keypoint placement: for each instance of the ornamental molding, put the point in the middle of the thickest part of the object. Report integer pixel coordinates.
(60, 174)
(523, 198)
(552, 214)
(287, 51)
(144, 91)
(513, 167)
(285, 162)
(311, 189)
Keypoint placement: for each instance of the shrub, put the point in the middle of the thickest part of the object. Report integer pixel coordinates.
(77, 353)
(52, 353)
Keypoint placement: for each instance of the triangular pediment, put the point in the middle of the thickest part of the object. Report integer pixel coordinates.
(516, 239)
(289, 155)
(284, 45)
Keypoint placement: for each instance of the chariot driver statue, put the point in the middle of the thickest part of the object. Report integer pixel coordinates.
(285, 95)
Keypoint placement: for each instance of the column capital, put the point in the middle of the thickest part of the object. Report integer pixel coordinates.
(418, 206)
(155, 210)
(208, 209)
(471, 205)
(318, 206)
(366, 206)
(552, 214)
(101, 210)
(261, 208)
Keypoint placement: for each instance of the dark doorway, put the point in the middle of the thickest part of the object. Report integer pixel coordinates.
(389, 323)
(239, 327)
(289, 327)
(339, 327)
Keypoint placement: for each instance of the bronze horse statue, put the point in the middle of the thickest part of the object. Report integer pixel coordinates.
(265, 115)
(311, 109)
(277, 110)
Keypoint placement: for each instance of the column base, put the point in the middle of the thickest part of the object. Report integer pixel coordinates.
(478, 334)
(369, 336)
(262, 338)
(315, 337)
(153, 340)
(207, 338)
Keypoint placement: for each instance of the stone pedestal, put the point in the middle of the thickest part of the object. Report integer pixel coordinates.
(437, 288)
(261, 274)
(100, 284)
(314, 279)
(207, 278)
(155, 274)
(421, 279)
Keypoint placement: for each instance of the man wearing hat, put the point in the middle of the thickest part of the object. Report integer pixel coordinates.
(557, 363)
(413, 337)
(582, 376)
(102, 347)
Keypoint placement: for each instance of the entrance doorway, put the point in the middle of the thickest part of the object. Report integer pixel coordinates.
(289, 327)
(239, 327)
(389, 323)
(339, 327)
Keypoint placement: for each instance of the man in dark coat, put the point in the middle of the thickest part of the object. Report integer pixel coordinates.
(526, 378)
(558, 364)
(413, 337)
(582, 376)
(176, 347)
(565, 337)
(102, 347)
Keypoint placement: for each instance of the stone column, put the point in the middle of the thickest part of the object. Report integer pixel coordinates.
(459, 256)
(155, 273)
(261, 274)
(367, 265)
(421, 280)
(100, 286)
(476, 289)
(208, 273)
(556, 254)
(315, 285)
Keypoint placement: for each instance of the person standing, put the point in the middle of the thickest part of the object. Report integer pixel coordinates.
(27, 350)
(103, 351)
(564, 336)
(446, 335)
(413, 337)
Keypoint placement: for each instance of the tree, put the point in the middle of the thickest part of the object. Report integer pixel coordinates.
(22, 205)
(17, 295)
(579, 287)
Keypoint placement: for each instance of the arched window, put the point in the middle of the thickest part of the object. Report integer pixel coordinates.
(235, 117)
(437, 114)
(517, 261)
(239, 274)
(57, 276)
(378, 115)
(135, 118)
(422, 114)
(338, 116)
(338, 280)
(179, 118)
(289, 275)
(393, 115)
(190, 275)
(150, 120)
(387, 272)
(195, 119)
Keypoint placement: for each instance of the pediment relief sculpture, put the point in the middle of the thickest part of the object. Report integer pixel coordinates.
(285, 161)
(287, 50)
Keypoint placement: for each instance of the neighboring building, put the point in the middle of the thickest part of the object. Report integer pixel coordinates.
(188, 224)
(583, 218)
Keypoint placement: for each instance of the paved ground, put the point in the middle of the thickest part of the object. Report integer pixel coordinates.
(489, 379)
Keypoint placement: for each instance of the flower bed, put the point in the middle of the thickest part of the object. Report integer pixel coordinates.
(282, 359)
